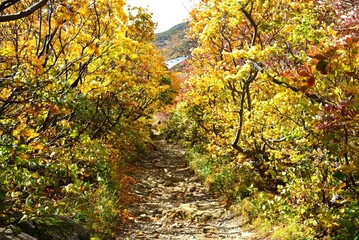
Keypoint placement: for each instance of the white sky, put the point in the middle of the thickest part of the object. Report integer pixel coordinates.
(166, 13)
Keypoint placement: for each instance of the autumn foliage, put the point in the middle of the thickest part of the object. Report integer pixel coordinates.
(79, 82)
(272, 111)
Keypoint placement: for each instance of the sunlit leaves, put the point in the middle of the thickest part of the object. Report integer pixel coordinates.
(79, 81)
(278, 82)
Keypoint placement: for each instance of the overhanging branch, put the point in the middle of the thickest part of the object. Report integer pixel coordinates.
(6, 4)
(24, 13)
(312, 96)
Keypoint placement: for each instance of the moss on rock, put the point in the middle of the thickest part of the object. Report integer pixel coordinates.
(54, 228)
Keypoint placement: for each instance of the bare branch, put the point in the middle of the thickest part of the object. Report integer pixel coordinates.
(6, 4)
(24, 13)
(254, 25)
(250, 78)
(312, 96)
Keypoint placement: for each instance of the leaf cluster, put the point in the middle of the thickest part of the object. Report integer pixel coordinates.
(79, 82)
(274, 91)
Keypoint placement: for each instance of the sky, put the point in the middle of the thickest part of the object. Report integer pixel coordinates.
(166, 13)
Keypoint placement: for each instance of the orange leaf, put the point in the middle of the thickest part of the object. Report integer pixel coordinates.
(303, 73)
(311, 81)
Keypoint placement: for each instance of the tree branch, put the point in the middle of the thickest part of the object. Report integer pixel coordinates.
(24, 13)
(254, 25)
(6, 4)
(312, 96)
(250, 78)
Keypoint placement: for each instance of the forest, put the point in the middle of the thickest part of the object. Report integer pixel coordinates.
(268, 110)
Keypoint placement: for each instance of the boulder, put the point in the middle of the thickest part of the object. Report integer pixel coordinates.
(10, 235)
(46, 228)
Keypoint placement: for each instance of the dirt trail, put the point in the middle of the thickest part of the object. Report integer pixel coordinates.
(174, 203)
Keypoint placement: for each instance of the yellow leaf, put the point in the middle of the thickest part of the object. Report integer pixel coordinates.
(29, 134)
(349, 168)
(36, 175)
(37, 146)
(339, 187)
(4, 93)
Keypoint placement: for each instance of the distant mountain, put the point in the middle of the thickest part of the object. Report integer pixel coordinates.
(173, 43)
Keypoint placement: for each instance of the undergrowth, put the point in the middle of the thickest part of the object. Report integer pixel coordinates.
(269, 213)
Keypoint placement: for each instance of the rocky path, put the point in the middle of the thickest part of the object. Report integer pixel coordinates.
(174, 204)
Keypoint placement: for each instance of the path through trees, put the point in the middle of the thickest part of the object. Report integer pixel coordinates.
(175, 204)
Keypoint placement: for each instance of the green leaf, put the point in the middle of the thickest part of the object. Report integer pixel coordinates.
(340, 176)
(333, 148)
(321, 65)
(2, 199)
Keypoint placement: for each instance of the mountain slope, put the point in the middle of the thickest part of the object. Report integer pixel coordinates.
(173, 43)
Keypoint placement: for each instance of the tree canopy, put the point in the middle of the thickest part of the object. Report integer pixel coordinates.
(272, 102)
(79, 82)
